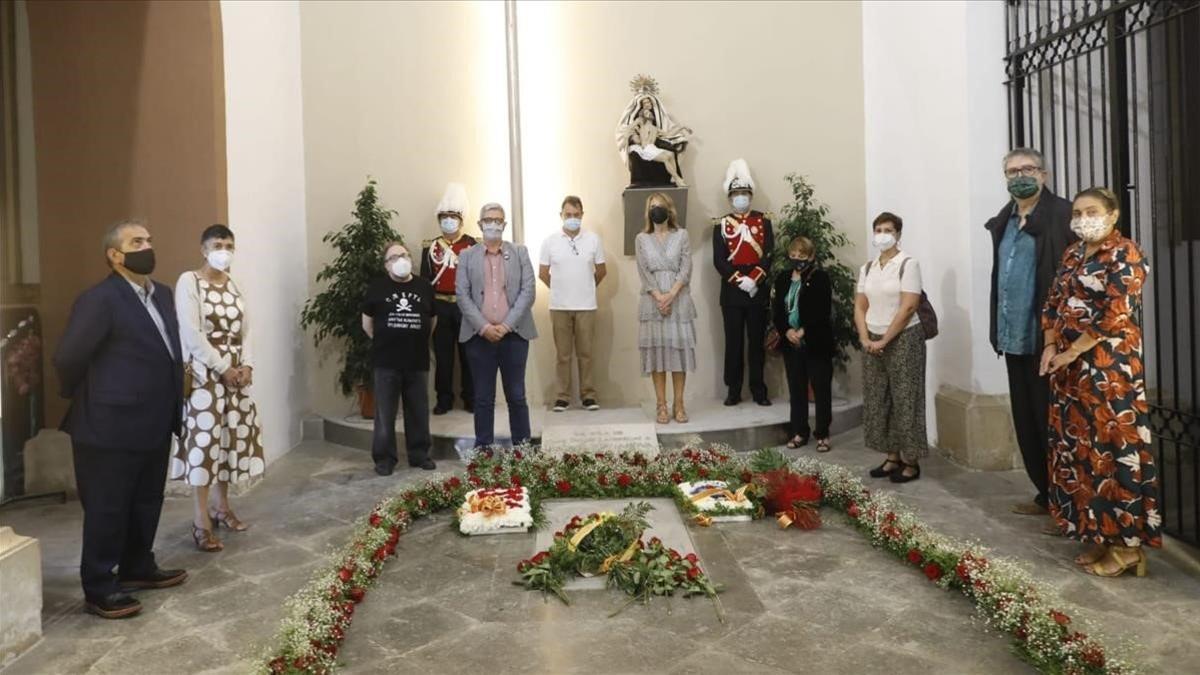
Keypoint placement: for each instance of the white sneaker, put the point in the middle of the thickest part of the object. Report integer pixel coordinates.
(560, 406)
(590, 404)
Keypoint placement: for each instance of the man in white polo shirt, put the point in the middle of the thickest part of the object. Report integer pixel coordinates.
(572, 265)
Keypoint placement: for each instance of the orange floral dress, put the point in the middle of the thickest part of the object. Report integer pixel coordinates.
(1103, 482)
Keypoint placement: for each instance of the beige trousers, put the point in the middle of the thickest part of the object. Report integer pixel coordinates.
(573, 331)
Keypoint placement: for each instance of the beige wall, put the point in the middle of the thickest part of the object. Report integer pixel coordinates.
(413, 94)
(128, 102)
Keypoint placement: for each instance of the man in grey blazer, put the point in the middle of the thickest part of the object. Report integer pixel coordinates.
(495, 288)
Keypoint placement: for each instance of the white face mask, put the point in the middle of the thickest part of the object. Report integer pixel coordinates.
(449, 225)
(884, 240)
(219, 259)
(492, 232)
(573, 224)
(1090, 228)
(402, 267)
(741, 203)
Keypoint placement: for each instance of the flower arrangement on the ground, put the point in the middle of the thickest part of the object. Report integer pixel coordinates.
(716, 503)
(612, 545)
(1009, 600)
(502, 509)
(794, 498)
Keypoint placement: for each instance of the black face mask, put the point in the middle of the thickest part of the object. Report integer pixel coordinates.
(801, 265)
(140, 262)
(658, 215)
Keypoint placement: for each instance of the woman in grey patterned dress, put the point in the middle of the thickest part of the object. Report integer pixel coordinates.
(666, 315)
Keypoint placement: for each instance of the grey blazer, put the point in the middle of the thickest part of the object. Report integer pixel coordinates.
(519, 284)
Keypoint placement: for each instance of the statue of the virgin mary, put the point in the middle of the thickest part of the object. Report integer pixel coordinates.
(648, 139)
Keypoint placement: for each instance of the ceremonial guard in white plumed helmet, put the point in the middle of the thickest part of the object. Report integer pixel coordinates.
(742, 243)
(439, 264)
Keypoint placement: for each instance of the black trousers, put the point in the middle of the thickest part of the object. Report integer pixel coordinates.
(742, 323)
(1029, 394)
(802, 370)
(121, 491)
(445, 344)
(393, 385)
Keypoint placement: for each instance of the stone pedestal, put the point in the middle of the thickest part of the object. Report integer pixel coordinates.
(976, 429)
(50, 464)
(635, 210)
(21, 586)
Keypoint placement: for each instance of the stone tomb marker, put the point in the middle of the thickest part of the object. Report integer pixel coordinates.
(632, 437)
(665, 523)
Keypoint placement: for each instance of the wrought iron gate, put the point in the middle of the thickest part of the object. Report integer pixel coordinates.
(1109, 91)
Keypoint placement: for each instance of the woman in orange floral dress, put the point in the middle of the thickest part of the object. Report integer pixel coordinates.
(1103, 482)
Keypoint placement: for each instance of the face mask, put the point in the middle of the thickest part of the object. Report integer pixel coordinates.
(884, 240)
(492, 232)
(1022, 187)
(449, 225)
(140, 262)
(801, 265)
(220, 259)
(658, 215)
(402, 267)
(741, 203)
(1090, 228)
(573, 224)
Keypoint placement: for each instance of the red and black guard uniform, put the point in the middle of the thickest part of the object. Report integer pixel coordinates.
(742, 245)
(439, 264)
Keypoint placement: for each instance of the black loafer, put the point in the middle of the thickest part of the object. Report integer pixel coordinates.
(441, 409)
(384, 469)
(763, 401)
(427, 465)
(159, 578)
(732, 400)
(469, 406)
(112, 606)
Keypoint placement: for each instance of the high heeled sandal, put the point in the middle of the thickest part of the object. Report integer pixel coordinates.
(1090, 557)
(797, 441)
(663, 416)
(227, 519)
(1138, 564)
(205, 540)
(823, 445)
(680, 414)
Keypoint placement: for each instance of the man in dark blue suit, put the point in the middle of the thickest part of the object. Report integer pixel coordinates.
(119, 362)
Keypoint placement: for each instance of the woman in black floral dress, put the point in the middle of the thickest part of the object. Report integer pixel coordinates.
(1103, 482)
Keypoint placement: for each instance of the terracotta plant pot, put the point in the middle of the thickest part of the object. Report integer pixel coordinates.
(366, 403)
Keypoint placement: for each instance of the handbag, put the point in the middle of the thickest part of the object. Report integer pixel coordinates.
(773, 342)
(925, 313)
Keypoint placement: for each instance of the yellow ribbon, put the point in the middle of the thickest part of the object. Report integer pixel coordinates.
(702, 520)
(489, 506)
(784, 520)
(586, 530)
(624, 557)
(736, 497)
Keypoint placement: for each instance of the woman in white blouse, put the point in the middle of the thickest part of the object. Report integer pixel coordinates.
(222, 439)
(885, 312)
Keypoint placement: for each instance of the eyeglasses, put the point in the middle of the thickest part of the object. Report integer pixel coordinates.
(393, 258)
(1027, 170)
(491, 222)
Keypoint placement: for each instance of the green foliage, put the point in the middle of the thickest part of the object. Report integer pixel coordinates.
(334, 312)
(804, 216)
(767, 460)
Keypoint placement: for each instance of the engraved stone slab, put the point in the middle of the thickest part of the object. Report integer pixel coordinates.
(665, 523)
(633, 437)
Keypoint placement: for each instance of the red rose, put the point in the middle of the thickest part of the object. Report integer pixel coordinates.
(747, 476)
(962, 572)
(852, 510)
(518, 455)
(1022, 634)
(889, 517)
(380, 553)
(602, 479)
(357, 594)
(933, 571)
(515, 481)
(488, 453)
(346, 573)
(375, 520)
(655, 541)
(278, 665)
(394, 536)
(563, 486)
(673, 554)
(693, 572)
(691, 557)
(522, 565)
(540, 557)
(497, 470)
(475, 481)
(454, 482)
(1094, 656)
(702, 472)
(337, 633)
(1059, 618)
(676, 477)
(624, 480)
(390, 548)
(914, 556)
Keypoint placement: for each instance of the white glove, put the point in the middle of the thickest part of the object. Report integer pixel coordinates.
(747, 285)
(753, 291)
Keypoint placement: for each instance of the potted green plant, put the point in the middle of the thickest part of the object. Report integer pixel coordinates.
(334, 312)
(804, 216)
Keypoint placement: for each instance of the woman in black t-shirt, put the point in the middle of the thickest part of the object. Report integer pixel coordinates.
(397, 314)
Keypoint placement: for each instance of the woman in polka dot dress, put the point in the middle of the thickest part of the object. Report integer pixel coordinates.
(222, 440)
